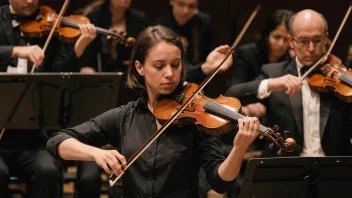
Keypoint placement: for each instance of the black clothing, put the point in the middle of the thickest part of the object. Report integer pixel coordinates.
(59, 56)
(100, 52)
(22, 154)
(169, 167)
(248, 62)
(287, 112)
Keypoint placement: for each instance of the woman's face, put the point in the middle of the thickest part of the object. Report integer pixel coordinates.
(120, 3)
(184, 10)
(278, 42)
(162, 69)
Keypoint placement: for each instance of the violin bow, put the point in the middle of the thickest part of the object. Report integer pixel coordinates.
(63, 10)
(324, 57)
(113, 178)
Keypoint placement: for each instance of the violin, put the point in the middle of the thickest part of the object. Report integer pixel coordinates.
(67, 30)
(329, 74)
(332, 75)
(214, 116)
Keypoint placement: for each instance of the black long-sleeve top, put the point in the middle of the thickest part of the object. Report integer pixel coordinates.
(169, 167)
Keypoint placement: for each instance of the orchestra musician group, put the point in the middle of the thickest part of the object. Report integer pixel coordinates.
(156, 158)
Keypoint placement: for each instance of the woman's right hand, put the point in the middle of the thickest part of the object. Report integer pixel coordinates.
(110, 158)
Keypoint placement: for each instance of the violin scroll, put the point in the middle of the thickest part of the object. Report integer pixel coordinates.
(128, 42)
(285, 142)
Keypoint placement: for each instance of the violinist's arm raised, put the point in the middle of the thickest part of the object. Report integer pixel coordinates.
(214, 59)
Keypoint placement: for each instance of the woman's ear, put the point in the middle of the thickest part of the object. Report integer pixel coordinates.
(139, 68)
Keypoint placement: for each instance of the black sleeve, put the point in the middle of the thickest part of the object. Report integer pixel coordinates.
(241, 69)
(248, 91)
(208, 39)
(65, 59)
(195, 73)
(5, 52)
(89, 57)
(106, 125)
(5, 57)
(211, 157)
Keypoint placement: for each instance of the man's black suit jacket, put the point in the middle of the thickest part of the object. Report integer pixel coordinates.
(287, 112)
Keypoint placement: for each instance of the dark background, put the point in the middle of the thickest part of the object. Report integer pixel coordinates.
(229, 16)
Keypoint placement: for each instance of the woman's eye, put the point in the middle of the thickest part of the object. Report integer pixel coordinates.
(277, 37)
(158, 66)
(175, 64)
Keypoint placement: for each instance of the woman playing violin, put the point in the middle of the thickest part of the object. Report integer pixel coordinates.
(170, 166)
(108, 55)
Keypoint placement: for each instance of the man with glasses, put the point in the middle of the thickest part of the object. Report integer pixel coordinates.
(319, 122)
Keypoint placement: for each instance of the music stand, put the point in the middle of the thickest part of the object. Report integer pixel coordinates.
(16, 104)
(55, 100)
(303, 177)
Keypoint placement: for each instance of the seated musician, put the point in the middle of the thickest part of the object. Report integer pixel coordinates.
(271, 47)
(22, 152)
(319, 122)
(195, 29)
(169, 167)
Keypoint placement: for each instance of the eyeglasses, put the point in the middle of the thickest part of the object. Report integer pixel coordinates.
(303, 42)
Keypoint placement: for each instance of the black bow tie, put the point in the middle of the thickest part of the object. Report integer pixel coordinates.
(15, 17)
(304, 69)
(19, 18)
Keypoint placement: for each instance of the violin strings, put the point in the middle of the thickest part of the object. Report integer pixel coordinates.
(71, 23)
(217, 108)
(346, 78)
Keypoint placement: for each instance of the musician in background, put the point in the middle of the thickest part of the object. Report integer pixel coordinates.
(15, 47)
(107, 55)
(195, 31)
(319, 122)
(271, 47)
(22, 152)
(169, 167)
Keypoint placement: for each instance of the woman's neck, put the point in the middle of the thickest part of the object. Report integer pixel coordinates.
(273, 58)
(152, 99)
(117, 15)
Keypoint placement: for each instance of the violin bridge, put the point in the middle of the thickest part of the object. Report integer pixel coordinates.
(50, 18)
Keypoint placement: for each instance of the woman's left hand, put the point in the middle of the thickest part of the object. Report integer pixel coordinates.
(247, 133)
